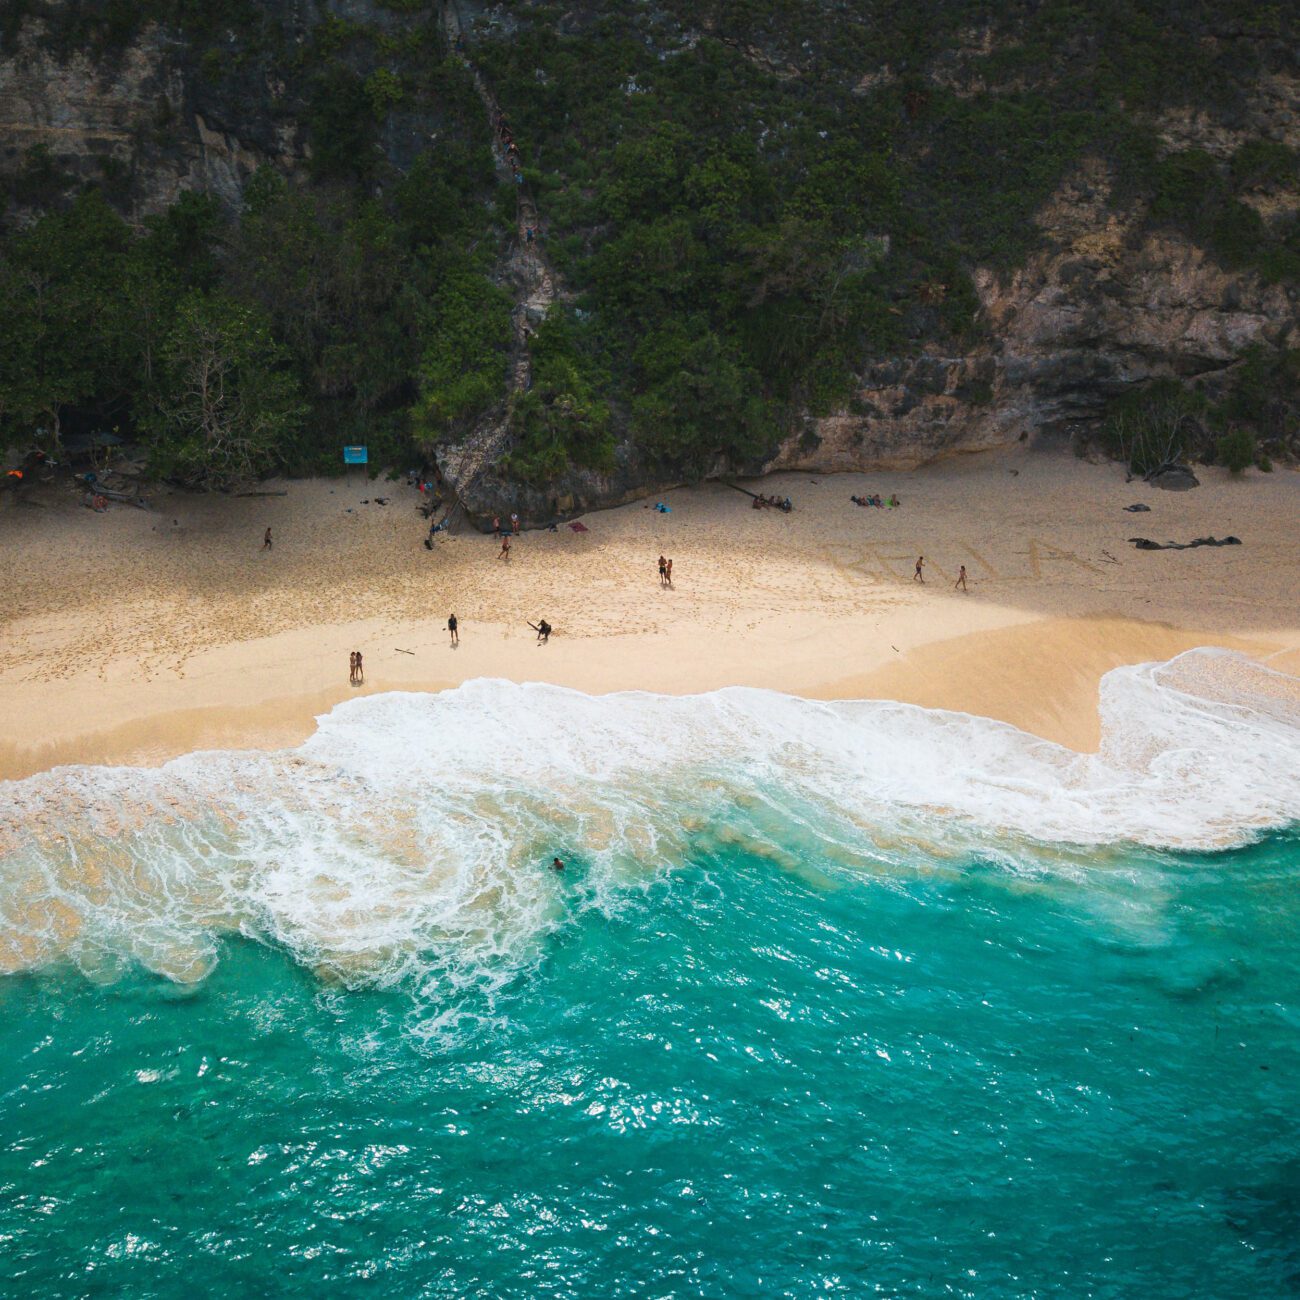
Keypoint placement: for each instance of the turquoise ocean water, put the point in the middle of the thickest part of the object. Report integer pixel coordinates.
(829, 1000)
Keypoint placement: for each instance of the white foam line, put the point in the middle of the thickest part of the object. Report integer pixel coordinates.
(410, 836)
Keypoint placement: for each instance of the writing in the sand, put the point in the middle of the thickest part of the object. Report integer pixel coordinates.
(1029, 563)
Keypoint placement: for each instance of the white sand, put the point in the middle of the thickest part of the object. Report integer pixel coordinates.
(134, 635)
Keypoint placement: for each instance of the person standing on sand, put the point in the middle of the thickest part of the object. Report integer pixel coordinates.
(505, 547)
(918, 576)
(514, 523)
(352, 668)
(266, 540)
(361, 672)
(454, 628)
(668, 572)
(663, 571)
(961, 580)
(496, 525)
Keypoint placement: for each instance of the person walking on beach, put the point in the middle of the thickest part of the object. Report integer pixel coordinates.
(352, 668)
(961, 580)
(663, 571)
(668, 572)
(918, 576)
(454, 628)
(266, 540)
(505, 547)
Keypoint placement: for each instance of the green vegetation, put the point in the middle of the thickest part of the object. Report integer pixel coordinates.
(561, 418)
(1156, 425)
(233, 344)
(736, 280)
(747, 200)
(1256, 408)
(1195, 194)
(1236, 449)
(224, 400)
(463, 370)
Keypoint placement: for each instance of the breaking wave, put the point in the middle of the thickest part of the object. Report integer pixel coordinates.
(408, 841)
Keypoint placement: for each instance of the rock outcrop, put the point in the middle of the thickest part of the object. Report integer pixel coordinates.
(1105, 305)
(1106, 302)
(140, 122)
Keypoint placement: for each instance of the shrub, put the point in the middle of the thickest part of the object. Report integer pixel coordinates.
(1264, 163)
(467, 339)
(560, 420)
(1152, 426)
(1236, 450)
(383, 90)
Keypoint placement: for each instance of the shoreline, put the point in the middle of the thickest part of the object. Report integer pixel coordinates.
(986, 674)
(134, 637)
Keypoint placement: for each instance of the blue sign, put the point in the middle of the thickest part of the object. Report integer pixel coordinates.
(354, 455)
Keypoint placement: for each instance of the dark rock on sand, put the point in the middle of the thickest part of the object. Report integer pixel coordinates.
(1146, 544)
(1174, 478)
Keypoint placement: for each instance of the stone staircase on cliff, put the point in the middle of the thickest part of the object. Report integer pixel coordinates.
(534, 280)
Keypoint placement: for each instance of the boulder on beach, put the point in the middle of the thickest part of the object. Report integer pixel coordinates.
(1174, 478)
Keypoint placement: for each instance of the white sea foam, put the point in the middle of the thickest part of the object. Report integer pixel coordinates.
(408, 839)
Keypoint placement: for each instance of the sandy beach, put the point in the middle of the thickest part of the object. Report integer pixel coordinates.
(135, 635)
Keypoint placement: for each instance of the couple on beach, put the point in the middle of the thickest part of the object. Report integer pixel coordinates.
(918, 576)
(356, 673)
(665, 572)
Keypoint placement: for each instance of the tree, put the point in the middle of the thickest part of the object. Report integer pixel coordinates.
(63, 309)
(225, 401)
(698, 401)
(1154, 426)
(467, 341)
(560, 420)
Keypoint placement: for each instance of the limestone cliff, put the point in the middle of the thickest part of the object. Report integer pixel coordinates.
(1105, 305)
(1107, 296)
(142, 122)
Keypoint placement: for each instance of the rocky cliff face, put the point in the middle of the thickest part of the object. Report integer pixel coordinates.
(140, 123)
(1105, 305)
(1106, 301)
